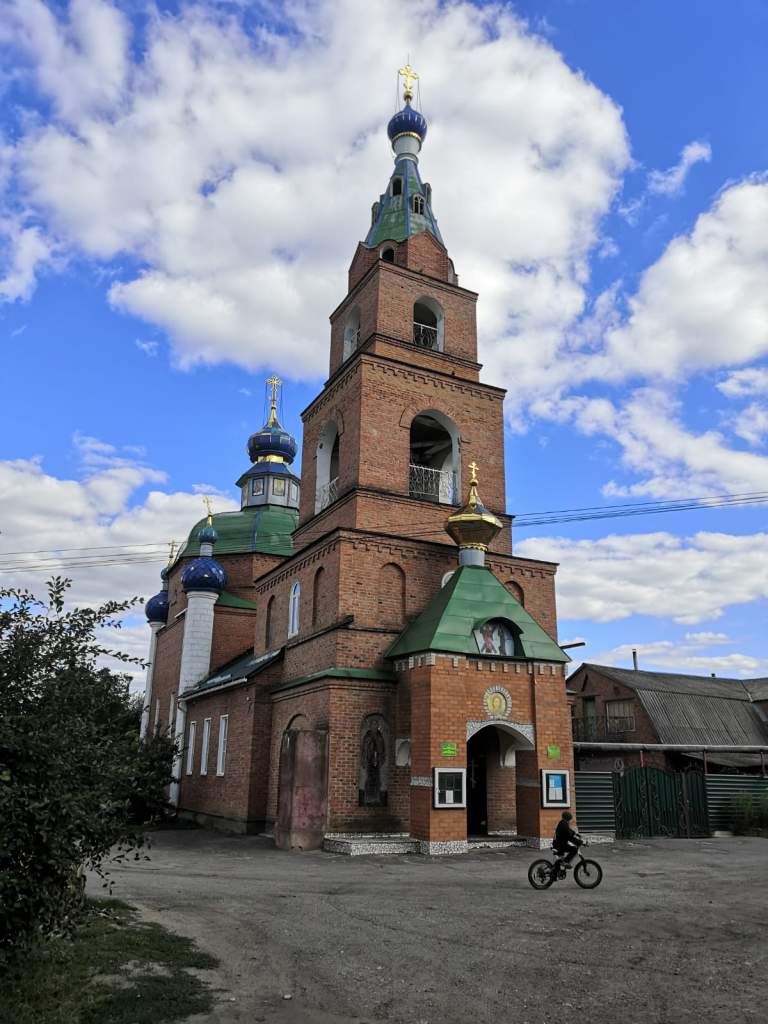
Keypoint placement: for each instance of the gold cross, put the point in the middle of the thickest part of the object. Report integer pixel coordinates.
(171, 552)
(474, 468)
(410, 76)
(207, 503)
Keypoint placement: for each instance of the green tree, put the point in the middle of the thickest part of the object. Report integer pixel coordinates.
(75, 783)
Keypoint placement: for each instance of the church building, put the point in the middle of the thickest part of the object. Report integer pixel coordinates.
(357, 652)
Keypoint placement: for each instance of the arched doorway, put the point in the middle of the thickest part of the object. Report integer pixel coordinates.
(481, 747)
(492, 777)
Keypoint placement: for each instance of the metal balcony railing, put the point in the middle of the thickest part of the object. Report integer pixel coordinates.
(589, 730)
(327, 494)
(424, 336)
(438, 485)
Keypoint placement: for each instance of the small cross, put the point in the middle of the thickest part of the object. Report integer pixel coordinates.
(410, 76)
(171, 551)
(274, 383)
(207, 503)
(474, 468)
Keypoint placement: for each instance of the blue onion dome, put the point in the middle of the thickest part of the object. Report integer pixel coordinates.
(272, 443)
(207, 535)
(156, 608)
(204, 573)
(407, 122)
(165, 572)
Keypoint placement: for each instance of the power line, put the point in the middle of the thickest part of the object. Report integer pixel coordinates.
(136, 554)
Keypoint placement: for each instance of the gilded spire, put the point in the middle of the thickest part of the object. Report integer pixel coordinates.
(473, 527)
(274, 383)
(209, 509)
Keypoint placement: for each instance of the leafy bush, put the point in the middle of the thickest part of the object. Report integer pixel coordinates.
(74, 780)
(749, 813)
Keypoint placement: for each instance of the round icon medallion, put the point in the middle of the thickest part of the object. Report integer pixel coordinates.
(497, 702)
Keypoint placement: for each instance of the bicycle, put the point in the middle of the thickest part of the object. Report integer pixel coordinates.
(586, 873)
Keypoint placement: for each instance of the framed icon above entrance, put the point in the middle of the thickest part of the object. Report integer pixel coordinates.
(497, 702)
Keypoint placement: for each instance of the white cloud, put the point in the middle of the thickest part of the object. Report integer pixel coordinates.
(752, 424)
(671, 181)
(704, 303)
(685, 656)
(688, 580)
(149, 348)
(741, 383)
(118, 540)
(229, 168)
(24, 250)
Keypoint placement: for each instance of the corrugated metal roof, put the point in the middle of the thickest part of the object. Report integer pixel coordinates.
(672, 682)
(757, 688)
(701, 718)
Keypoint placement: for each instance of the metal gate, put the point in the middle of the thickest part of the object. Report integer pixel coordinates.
(652, 802)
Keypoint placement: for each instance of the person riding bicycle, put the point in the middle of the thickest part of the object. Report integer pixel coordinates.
(567, 840)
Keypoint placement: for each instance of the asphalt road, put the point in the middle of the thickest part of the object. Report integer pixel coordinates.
(675, 933)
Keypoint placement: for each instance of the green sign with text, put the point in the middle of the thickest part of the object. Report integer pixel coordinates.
(553, 752)
(448, 750)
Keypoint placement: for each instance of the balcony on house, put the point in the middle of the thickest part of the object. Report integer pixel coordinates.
(590, 730)
(427, 484)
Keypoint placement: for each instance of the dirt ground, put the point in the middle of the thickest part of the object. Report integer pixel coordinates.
(675, 933)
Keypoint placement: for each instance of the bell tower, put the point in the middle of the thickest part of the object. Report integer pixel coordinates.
(389, 440)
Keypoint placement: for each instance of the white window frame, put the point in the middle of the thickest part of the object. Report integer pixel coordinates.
(294, 603)
(191, 747)
(205, 746)
(547, 800)
(221, 752)
(436, 774)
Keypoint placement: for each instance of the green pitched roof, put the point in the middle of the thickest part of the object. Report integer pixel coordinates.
(227, 600)
(470, 598)
(242, 667)
(266, 528)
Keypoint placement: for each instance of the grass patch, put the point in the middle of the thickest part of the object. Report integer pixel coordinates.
(115, 970)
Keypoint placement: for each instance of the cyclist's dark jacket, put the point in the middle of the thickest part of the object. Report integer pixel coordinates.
(565, 837)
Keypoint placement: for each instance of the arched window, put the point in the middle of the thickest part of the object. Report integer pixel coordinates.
(293, 609)
(388, 254)
(397, 186)
(516, 591)
(352, 332)
(428, 324)
(391, 595)
(418, 204)
(435, 459)
(318, 597)
(269, 624)
(374, 762)
(327, 467)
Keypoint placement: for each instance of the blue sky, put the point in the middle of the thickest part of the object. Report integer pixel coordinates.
(182, 187)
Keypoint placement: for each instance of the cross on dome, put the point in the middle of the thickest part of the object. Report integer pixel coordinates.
(410, 76)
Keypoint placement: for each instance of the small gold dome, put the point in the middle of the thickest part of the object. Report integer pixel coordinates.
(473, 526)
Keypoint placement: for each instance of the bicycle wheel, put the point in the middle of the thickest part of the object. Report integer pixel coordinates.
(540, 874)
(588, 874)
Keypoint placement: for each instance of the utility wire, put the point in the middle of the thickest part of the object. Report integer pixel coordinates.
(86, 557)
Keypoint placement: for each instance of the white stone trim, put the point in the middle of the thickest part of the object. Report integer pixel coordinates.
(525, 729)
(421, 780)
(441, 848)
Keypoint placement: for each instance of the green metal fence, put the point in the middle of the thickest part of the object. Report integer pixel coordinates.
(722, 791)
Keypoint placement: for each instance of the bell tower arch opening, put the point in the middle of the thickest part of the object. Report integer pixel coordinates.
(428, 324)
(352, 332)
(434, 458)
(327, 467)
